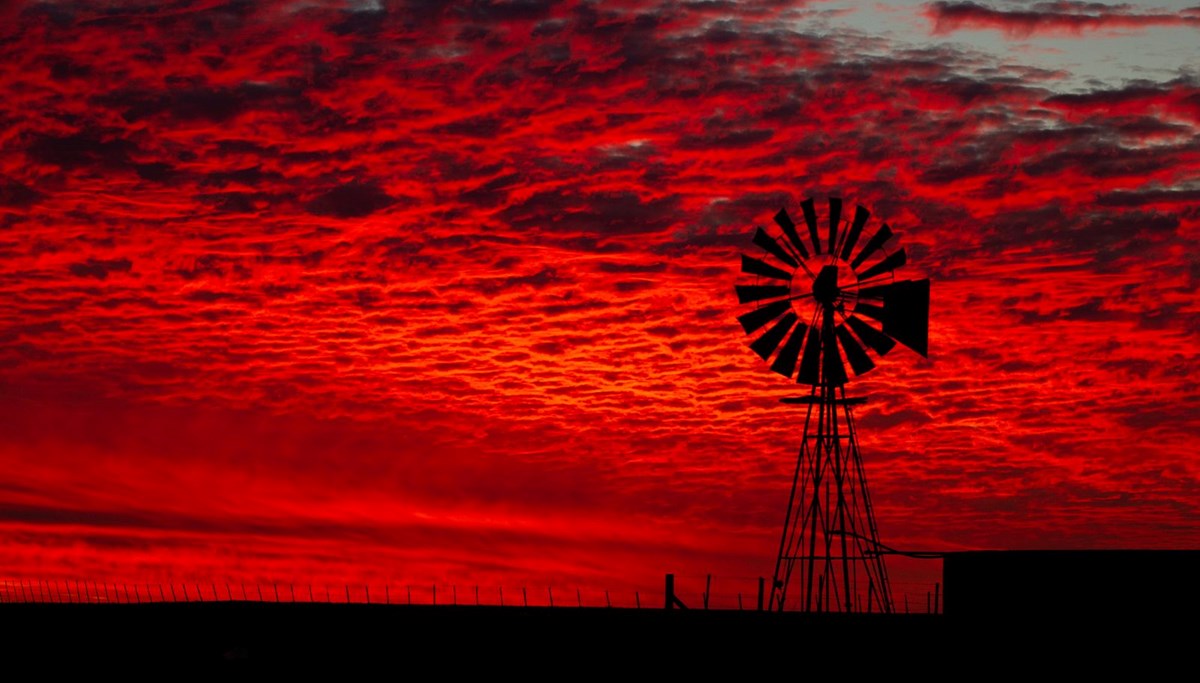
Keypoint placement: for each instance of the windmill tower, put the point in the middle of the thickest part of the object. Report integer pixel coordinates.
(814, 299)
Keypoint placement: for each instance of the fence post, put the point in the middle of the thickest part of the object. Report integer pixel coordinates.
(347, 593)
(761, 588)
(275, 587)
(502, 596)
(637, 599)
(525, 596)
(607, 600)
(550, 592)
(453, 594)
(579, 597)
(387, 595)
(476, 595)
(707, 589)
(435, 593)
(669, 592)
(937, 594)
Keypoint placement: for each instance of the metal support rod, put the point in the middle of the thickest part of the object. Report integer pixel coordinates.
(829, 547)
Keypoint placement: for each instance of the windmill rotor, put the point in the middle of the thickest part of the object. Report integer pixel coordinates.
(827, 299)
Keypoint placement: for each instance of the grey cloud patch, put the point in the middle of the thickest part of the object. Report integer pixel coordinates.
(1149, 195)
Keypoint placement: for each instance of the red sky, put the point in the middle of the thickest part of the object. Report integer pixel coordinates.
(394, 293)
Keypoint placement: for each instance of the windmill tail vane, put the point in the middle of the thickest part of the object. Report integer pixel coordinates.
(823, 297)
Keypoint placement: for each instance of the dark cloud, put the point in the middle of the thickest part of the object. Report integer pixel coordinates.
(351, 200)
(81, 150)
(100, 268)
(17, 195)
(596, 214)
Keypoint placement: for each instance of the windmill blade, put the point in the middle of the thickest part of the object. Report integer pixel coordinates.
(810, 363)
(833, 371)
(835, 219)
(872, 245)
(785, 364)
(761, 316)
(749, 293)
(873, 292)
(810, 217)
(754, 266)
(769, 245)
(892, 262)
(765, 345)
(860, 219)
(859, 360)
(879, 342)
(906, 314)
(783, 220)
(872, 310)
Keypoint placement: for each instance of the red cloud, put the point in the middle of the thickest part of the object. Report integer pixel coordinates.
(316, 292)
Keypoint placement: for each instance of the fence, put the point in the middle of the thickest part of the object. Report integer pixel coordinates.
(693, 591)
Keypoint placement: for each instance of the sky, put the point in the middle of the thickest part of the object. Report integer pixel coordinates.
(410, 294)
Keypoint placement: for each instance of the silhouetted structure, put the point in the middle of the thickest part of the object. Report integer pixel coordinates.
(813, 305)
(1071, 584)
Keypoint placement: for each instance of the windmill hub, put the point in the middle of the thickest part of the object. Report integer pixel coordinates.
(825, 287)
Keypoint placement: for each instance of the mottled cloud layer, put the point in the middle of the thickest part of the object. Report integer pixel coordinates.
(347, 290)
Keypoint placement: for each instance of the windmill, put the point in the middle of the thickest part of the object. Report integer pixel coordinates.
(819, 303)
